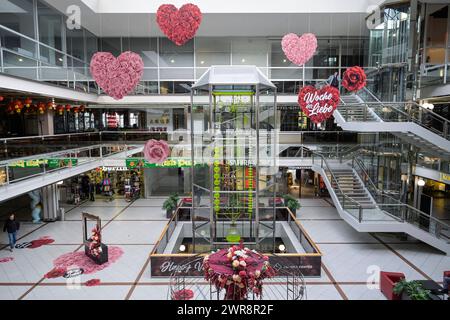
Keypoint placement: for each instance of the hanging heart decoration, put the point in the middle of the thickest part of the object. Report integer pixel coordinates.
(299, 50)
(179, 25)
(318, 105)
(354, 79)
(117, 76)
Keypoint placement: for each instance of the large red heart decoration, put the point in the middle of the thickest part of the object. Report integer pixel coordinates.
(318, 105)
(117, 77)
(181, 25)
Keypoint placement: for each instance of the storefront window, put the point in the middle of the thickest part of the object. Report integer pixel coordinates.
(18, 16)
(50, 26)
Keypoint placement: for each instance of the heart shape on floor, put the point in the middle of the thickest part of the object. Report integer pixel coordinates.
(299, 49)
(117, 76)
(179, 25)
(318, 105)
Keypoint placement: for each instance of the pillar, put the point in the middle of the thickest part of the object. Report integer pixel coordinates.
(50, 202)
(46, 124)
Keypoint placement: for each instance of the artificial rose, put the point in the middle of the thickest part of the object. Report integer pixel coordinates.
(318, 105)
(235, 264)
(299, 50)
(180, 25)
(117, 77)
(156, 151)
(92, 282)
(354, 79)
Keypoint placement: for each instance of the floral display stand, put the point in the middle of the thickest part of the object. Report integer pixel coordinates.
(93, 246)
(237, 270)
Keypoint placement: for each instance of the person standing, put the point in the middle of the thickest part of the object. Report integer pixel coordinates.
(334, 80)
(11, 226)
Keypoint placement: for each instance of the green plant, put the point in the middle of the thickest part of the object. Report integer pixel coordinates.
(413, 289)
(171, 203)
(291, 202)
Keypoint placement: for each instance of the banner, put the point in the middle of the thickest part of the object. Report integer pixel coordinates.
(134, 163)
(49, 163)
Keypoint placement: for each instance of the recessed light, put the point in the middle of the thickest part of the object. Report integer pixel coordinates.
(172, 61)
(202, 62)
(182, 248)
(243, 60)
(60, 59)
(20, 60)
(284, 60)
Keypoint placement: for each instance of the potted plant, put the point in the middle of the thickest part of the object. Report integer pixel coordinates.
(411, 290)
(292, 203)
(170, 205)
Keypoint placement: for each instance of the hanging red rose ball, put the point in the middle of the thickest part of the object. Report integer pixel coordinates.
(354, 79)
(60, 109)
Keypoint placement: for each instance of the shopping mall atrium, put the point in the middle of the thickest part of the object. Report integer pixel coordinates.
(211, 150)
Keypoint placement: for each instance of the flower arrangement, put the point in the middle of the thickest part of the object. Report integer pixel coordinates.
(354, 79)
(318, 105)
(95, 242)
(238, 270)
(156, 151)
(299, 49)
(183, 294)
(117, 76)
(179, 25)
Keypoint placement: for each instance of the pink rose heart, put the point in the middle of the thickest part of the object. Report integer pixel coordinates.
(299, 49)
(117, 76)
(180, 25)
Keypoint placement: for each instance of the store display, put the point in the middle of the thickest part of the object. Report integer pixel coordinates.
(299, 50)
(117, 76)
(93, 246)
(318, 105)
(354, 79)
(179, 25)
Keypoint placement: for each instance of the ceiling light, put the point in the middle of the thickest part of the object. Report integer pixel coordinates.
(20, 60)
(60, 59)
(172, 61)
(284, 60)
(202, 62)
(282, 247)
(182, 248)
(243, 60)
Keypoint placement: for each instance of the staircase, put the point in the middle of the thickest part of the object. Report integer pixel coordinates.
(353, 112)
(349, 184)
(374, 211)
(410, 125)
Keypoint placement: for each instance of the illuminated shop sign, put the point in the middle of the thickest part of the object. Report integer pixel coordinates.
(115, 169)
(445, 177)
(50, 163)
(169, 163)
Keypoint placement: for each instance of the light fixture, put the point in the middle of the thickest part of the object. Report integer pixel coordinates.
(172, 61)
(20, 60)
(59, 183)
(60, 59)
(282, 248)
(182, 248)
(243, 60)
(202, 62)
(428, 106)
(284, 60)
(421, 182)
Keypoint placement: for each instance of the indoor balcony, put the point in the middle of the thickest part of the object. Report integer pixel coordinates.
(412, 123)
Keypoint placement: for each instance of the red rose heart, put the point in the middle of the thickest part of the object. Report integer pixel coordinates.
(180, 25)
(318, 105)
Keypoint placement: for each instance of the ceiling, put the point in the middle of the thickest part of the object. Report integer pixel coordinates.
(342, 20)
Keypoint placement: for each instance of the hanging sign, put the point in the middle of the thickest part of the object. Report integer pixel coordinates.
(318, 105)
(134, 163)
(51, 163)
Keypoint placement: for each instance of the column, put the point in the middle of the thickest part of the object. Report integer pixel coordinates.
(50, 202)
(46, 124)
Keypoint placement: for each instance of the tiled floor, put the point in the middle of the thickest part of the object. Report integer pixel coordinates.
(350, 259)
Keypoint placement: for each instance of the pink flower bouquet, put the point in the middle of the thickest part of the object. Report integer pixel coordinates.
(156, 151)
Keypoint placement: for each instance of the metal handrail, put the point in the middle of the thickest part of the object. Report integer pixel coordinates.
(446, 122)
(396, 202)
(333, 177)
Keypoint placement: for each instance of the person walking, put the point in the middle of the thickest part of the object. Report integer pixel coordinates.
(11, 226)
